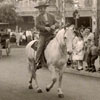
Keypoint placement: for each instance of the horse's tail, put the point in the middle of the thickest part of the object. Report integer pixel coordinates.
(30, 53)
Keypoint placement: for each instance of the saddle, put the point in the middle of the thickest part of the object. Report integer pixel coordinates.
(34, 45)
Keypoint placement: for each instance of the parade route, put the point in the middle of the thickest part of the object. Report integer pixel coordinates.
(14, 77)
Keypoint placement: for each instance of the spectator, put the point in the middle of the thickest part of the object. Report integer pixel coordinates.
(89, 51)
(20, 38)
(92, 55)
(78, 50)
(24, 38)
(17, 38)
(28, 35)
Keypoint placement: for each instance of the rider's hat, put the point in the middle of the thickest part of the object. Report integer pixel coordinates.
(41, 4)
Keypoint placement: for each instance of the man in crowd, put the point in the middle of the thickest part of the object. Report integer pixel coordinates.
(91, 51)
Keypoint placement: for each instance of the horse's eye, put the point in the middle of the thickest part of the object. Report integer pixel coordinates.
(65, 38)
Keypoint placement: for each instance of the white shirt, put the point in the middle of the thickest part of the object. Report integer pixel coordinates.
(45, 17)
(28, 33)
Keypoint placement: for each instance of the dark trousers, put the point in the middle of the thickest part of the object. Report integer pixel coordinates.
(91, 60)
(43, 41)
(91, 54)
(40, 48)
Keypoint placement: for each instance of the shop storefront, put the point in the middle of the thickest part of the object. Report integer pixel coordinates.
(84, 10)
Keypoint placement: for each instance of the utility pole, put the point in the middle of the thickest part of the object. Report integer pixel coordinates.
(63, 12)
(94, 16)
(76, 13)
(98, 24)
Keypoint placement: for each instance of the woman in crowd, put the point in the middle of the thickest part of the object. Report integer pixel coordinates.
(78, 50)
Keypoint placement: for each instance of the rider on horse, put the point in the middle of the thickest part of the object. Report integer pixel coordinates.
(46, 24)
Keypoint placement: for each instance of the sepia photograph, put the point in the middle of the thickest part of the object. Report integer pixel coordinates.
(49, 49)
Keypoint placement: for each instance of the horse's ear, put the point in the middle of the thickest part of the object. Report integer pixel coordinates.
(67, 25)
(64, 27)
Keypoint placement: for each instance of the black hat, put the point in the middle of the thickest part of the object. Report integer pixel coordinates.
(41, 4)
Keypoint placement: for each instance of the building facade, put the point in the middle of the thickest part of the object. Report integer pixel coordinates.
(86, 10)
(60, 8)
(25, 9)
(98, 15)
(97, 36)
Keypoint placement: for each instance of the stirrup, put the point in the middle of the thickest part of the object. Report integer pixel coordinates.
(38, 66)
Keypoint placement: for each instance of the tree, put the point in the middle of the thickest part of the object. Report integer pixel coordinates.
(8, 14)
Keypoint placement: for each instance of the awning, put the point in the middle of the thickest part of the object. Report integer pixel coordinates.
(27, 13)
(82, 13)
(4, 23)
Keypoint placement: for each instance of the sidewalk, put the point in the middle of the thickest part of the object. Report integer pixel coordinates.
(85, 73)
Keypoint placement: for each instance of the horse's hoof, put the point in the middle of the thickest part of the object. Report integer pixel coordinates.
(39, 91)
(47, 89)
(30, 87)
(61, 95)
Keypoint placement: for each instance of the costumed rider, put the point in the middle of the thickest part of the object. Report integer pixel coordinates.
(46, 24)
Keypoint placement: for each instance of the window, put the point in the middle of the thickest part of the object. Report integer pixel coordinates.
(88, 3)
(28, 19)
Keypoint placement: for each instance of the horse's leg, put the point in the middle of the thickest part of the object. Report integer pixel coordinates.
(30, 82)
(54, 78)
(38, 89)
(33, 76)
(60, 93)
(31, 72)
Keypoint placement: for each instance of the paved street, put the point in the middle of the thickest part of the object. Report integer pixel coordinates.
(14, 79)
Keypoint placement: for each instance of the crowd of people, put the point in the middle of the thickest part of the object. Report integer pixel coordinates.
(83, 50)
(22, 37)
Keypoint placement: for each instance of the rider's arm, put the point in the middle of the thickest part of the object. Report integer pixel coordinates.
(55, 23)
(39, 26)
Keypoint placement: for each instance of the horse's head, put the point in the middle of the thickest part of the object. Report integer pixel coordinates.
(65, 34)
(69, 30)
(68, 37)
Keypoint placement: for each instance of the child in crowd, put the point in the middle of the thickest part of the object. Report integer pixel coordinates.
(92, 55)
(78, 50)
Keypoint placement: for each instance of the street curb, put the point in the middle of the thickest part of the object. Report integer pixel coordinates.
(83, 73)
(80, 73)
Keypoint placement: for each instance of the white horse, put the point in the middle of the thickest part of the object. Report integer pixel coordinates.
(56, 56)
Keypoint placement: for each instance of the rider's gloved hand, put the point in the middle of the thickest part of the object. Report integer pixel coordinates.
(48, 29)
(52, 27)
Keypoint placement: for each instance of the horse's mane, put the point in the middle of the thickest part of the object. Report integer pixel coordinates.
(59, 36)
